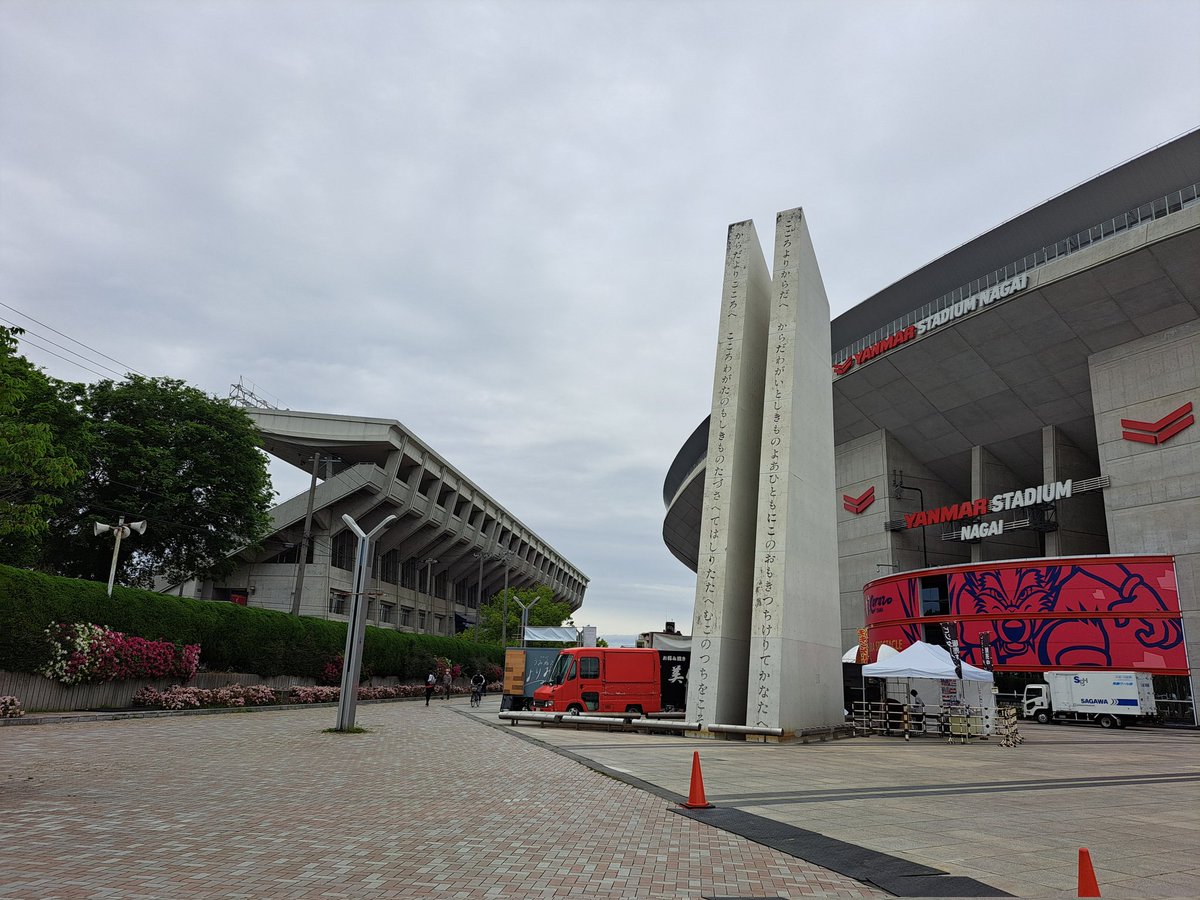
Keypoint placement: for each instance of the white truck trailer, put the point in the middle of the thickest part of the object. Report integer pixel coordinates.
(1113, 699)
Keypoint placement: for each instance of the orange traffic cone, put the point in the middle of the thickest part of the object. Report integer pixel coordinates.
(695, 798)
(1087, 875)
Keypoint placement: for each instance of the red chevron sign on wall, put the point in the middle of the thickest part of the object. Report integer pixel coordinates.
(1161, 431)
(858, 505)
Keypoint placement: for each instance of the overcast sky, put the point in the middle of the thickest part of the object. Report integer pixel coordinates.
(503, 223)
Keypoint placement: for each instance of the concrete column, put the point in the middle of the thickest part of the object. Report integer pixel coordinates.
(1153, 503)
(795, 677)
(721, 620)
(1081, 529)
(989, 477)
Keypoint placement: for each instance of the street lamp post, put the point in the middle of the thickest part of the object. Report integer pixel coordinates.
(430, 562)
(356, 628)
(525, 607)
(120, 530)
(480, 555)
(507, 557)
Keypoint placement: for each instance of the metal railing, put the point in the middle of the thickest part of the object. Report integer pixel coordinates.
(1156, 209)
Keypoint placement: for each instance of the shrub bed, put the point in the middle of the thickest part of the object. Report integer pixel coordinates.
(179, 697)
(232, 638)
(10, 708)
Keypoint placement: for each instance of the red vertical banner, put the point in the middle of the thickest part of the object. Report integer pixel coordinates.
(864, 650)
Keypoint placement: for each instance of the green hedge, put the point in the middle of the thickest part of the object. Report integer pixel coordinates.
(232, 638)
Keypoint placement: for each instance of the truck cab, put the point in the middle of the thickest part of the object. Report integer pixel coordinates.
(602, 680)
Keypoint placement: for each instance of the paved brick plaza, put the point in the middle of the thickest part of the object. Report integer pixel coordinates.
(430, 803)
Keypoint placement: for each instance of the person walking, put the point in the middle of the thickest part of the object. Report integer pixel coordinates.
(430, 685)
(448, 681)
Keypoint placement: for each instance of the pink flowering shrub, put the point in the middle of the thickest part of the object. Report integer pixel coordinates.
(179, 697)
(10, 708)
(319, 694)
(314, 694)
(82, 652)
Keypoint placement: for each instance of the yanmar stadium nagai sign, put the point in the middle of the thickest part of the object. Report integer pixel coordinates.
(1008, 501)
(956, 310)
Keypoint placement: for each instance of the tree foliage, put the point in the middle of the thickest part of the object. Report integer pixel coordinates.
(142, 448)
(547, 611)
(187, 463)
(41, 444)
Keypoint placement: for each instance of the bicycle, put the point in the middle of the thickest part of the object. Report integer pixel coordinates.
(476, 696)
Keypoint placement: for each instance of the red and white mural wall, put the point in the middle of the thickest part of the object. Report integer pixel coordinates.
(1110, 612)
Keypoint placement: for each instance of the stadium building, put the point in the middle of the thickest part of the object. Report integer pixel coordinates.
(451, 544)
(1015, 438)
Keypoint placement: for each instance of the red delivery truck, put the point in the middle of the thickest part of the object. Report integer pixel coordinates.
(615, 680)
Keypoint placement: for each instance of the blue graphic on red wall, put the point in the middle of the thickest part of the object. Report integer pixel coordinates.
(1109, 613)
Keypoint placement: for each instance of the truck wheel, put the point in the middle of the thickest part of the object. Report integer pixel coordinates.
(634, 710)
(1108, 722)
(1041, 717)
(574, 709)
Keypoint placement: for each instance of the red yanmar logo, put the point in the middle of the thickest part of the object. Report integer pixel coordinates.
(858, 505)
(1161, 431)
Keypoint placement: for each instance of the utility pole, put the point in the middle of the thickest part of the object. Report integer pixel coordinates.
(302, 560)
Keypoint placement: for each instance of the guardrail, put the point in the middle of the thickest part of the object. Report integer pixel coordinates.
(579, 720)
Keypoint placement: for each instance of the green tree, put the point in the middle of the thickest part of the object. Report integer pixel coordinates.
(547, 611)
(187, 463)
(41, 443)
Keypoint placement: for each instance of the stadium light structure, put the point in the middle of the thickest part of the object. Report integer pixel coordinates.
(120, 530)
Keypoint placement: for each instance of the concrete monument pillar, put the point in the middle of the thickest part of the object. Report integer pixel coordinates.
(795, 652)
(721, 621)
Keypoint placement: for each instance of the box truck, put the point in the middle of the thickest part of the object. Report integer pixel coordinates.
(1113, 699)
(615, 680)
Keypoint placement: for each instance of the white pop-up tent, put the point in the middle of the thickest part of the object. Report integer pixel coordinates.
(929, 670)
(921, 660)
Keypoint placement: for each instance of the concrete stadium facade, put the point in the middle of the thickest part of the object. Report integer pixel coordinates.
(451, 545)
(1058, 352)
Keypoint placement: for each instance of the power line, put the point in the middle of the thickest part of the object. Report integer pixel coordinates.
(64, 359)
(42, 337)
(126, 367)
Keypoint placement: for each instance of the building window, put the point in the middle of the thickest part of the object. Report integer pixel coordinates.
(406, 617)
(337, 602)
(420, 620)
(389, 567)
(408, 574)
(387, 613)
(439, 624)
(341, 554)
(935, 603)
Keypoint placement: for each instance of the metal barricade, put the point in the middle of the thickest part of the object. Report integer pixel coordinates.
(1006, 727)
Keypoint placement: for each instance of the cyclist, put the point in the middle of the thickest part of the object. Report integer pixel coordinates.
(478, 682)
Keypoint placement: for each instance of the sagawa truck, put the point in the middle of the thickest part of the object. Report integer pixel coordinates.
(615, 680)
(1113, 699)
